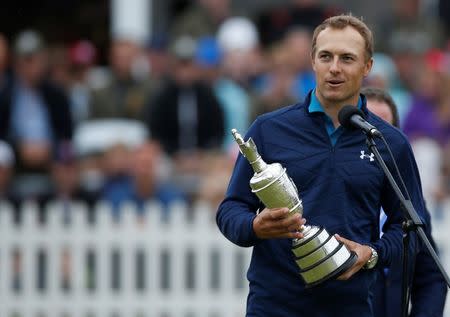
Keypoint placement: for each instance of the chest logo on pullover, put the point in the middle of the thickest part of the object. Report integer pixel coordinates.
(364, 155)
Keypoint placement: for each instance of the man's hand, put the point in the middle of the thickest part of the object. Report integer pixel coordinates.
(277, 223)
(362, 251)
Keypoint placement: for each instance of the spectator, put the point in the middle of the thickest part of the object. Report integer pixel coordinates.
(384, 75)
(82, 56)
(442, 190)
(236, 44)
(426, 126)
(297, 44)
(65, 174)
(185, 116)
(35, 114)
(158, 57)
(58, 65)
(125, 94)
(428, 116)
(279, 83)
(290, 77)
(142, 184)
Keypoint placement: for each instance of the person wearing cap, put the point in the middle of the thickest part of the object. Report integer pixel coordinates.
(185, 115)
(156, 50)
(34, 113)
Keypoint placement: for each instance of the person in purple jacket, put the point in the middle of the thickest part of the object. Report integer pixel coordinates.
(342, 187)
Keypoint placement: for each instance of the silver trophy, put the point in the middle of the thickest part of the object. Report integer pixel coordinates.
(318, 254)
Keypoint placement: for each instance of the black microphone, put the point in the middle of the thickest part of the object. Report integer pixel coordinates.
(351, 117)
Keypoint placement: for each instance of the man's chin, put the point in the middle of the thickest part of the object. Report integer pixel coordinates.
(334, 98)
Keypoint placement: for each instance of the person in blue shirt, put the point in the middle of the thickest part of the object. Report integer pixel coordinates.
(141, 183)
(342, 188)
(428, 288)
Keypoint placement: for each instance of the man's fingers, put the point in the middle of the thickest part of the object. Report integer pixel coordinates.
(291, 220)
(278, 213)
(350, 244)
(292, 235)
(296, 223)
(278, 223)
(283, 233)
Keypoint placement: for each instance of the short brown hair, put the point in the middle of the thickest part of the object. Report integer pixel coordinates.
(381, 95)
(342, 21)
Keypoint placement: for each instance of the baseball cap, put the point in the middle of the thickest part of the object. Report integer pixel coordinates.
(208, 52)
(237, 33)
(28, 42)
(184, 47)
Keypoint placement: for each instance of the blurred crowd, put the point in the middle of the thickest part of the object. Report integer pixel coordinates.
(155, 122)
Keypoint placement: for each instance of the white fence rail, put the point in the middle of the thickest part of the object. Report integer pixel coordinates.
(137, 267)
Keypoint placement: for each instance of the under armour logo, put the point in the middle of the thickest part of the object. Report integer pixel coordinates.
(364, 155)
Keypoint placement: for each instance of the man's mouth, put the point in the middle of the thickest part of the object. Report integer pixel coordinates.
(334, 82)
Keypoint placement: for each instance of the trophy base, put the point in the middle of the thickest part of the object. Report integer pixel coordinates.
(344, 267)
(320, 256)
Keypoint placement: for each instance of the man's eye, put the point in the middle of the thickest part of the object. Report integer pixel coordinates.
(324, 57)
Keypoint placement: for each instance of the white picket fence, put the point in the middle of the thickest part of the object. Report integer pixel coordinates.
(139, 267)
(187, 268)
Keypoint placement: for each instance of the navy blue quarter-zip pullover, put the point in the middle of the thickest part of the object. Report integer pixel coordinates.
(342, 188)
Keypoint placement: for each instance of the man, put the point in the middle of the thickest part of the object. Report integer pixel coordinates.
(34, 115)
(125, 95)
(185, 116)
(341, 189)
(428, 289)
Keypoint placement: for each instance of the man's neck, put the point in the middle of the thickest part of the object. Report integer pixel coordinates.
(332, 109)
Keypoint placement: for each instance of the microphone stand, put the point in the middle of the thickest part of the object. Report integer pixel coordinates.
(411, 222)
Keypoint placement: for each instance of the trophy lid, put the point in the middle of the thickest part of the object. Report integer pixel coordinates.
(248, 149)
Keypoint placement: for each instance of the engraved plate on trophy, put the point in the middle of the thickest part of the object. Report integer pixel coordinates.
(318, 254)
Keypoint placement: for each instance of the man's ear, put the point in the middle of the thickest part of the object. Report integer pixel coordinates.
(313, 64)
(368, 67)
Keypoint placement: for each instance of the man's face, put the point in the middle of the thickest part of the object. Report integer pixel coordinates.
(381, 109)
(340, 65)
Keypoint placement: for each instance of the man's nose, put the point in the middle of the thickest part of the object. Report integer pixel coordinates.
(335, 66)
